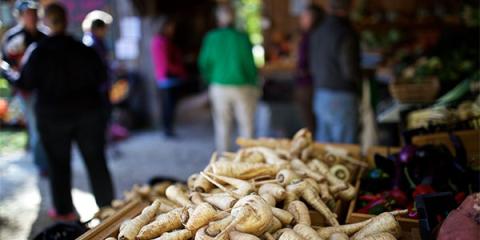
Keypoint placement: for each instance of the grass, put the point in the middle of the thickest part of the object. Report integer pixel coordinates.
(12, 141)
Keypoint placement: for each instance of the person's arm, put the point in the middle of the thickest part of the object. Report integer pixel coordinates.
(204, 60)
(248, 61)
(175, 64)
(29, 75)
(159, 55)
(350, 60)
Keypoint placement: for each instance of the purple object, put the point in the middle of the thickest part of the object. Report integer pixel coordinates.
(407, 153)
(304, 77)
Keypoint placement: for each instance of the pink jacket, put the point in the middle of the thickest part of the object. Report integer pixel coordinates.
(167, 59)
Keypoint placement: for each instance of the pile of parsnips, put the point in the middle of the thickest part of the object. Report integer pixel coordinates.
(264, 191)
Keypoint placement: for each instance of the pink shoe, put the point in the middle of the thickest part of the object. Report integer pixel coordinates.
(69, 217)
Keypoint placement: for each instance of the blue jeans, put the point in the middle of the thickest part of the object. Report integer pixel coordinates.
(336, 113)
(36, 147)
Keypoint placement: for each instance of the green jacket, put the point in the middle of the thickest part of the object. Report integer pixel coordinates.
(226, 58)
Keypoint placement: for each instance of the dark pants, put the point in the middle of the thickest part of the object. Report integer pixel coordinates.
(304, 98)
(169, 101)
(87, 130)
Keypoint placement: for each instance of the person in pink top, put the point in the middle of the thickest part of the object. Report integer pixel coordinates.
(169, 72)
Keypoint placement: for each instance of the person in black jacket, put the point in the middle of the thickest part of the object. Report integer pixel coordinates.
(68, 78)
(335, 67)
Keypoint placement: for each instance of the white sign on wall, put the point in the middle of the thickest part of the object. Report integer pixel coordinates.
(130, 27)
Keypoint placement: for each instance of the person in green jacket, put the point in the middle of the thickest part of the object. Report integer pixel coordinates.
(226, 63)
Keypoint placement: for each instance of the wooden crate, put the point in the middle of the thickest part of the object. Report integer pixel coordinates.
(410, 227)
(111, 225)
(470, 139)
(385, 151)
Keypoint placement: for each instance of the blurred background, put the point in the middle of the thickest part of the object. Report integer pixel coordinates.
(400, 41)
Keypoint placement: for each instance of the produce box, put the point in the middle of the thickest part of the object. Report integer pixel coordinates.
(293, 178)
(410, 227)
(469, 138)
(111, 225)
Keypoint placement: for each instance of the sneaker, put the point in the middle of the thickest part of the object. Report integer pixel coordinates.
(69, 217)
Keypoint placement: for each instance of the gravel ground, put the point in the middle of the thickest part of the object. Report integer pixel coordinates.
(24, 197)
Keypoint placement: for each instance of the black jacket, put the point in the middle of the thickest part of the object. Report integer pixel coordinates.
(335, 56)
(12, 35)
(68, 76)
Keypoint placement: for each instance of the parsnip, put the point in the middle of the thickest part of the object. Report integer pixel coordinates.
(159, 188)
(234, 235)
(221, 201)
(380, 236)
(215, 227)
(131, 229)
(300, 167)
(191, 181)
(196, 198)
(287, 176)
(285, 217)
(269, 155)
(178, 196)
(166, 201)
(279, 232)
(300, 213)
(269, 199)
(268, 236)
(312, 198)
(384, 222)
(306, 232)
(183, 234)
(326, 196)
(254, 157)
(290, 197)
(264, 142)
(163, 223)
(341, 172)
(244, 170)
(124, 223)
(342, 153)
(116, 204)
(201, 215)
(324, 192)
(301, 140)
(243, 188)
(349, 229)
(313, 183)
(277, 191)
(338, 236)
(345, 190)
(251, 215)
(202, 235)
(143, 190)
(201, 184)
(289, 234)
(275, 225)
(164, 208)
(307, 153)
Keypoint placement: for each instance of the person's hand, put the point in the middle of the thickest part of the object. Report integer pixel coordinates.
(8, 73)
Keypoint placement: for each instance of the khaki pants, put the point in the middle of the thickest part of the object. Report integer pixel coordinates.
(228, 102)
